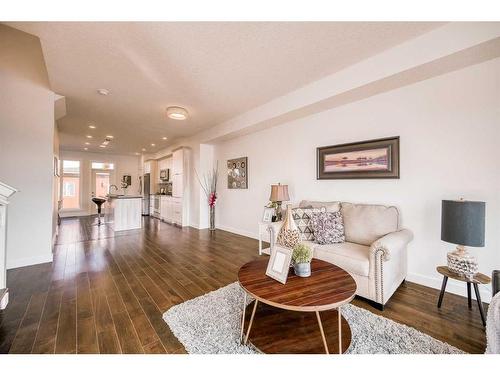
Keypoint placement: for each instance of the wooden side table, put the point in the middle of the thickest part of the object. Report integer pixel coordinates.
(478, 278)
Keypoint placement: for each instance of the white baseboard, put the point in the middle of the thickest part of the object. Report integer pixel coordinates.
(453, 286)
(22, 262)
(238, 231)
(74, 213)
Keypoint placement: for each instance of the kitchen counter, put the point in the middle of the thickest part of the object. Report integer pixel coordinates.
(124, 211)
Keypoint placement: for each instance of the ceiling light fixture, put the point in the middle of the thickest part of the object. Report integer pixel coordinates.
(177, 113)
(92, 126)
(136, 153)
(85, 148)
(109, 136)
(89, 136)
(102, 146)
(87, 143)
(103, 92)
(143, 149)
(164, 138)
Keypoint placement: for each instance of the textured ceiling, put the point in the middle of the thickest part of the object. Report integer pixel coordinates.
(215, 70)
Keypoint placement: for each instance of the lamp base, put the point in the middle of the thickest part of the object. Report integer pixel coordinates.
(279, 214)
(462, 263)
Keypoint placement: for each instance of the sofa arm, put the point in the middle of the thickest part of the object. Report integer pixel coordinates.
(390, 243)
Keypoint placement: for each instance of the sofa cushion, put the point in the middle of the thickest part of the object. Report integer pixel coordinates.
(328, 227)
(352, 257)
(366, 223)
(302, 217)
(330, 206)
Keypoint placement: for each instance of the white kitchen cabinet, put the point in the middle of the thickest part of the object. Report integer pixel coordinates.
(178, 162)
(178, 185)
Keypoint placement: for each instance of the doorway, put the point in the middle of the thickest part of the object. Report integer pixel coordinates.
(101, 180)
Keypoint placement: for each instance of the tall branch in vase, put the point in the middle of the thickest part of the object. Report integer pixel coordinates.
(209, 186)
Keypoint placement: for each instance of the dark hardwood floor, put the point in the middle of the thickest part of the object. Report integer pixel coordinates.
(106, 293)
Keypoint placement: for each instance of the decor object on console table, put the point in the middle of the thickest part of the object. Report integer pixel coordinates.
(279, 264)
(237, 173)
(477, 279)
(462, 223)
(209, 186)
(279, 194)
(289, 234)
(301, 257)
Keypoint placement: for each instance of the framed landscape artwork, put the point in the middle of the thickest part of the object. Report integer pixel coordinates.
(378, 158)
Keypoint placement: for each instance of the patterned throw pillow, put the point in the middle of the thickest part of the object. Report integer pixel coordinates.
(302, 218)
(328, 227)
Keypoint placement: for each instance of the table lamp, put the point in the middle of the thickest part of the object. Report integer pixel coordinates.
(462, 223)
(279, 193)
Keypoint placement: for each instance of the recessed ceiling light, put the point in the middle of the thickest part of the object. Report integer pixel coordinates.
(136, 153)
(143, 149)
(109, 136)
(87, 143)
(102, 146)
(177, 113)
(92, 126)
(85, 148)
(152, 144)
(103, 92)
(164, 138)
(89, 136)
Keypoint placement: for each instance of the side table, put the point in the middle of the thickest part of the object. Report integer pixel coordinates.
(266, 227)
(478, 278)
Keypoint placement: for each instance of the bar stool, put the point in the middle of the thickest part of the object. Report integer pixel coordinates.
(98, 202)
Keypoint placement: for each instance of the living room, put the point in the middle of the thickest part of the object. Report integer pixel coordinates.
(271, 186)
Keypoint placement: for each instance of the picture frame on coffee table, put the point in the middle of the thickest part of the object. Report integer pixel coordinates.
(279, 264)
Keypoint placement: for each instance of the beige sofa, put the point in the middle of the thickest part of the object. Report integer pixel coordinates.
(375, 251)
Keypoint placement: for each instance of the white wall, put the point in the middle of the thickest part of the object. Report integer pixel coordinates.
(26, 146)
(124, 164)
(450, 134)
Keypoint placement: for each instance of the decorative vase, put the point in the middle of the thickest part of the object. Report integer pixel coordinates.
(289, 234)
(302, 269)
(212, 218)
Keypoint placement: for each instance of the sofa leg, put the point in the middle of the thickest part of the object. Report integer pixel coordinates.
(377, 305)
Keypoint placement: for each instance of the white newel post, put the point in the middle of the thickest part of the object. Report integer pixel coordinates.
(5, 193)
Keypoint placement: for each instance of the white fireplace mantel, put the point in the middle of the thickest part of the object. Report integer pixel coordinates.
(6, 192)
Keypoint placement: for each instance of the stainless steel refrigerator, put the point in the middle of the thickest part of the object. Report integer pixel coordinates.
(145, 197)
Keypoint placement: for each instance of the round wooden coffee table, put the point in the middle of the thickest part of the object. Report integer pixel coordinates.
(285, 322)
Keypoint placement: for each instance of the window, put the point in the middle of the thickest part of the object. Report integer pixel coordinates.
(105, 166)
(71, 184)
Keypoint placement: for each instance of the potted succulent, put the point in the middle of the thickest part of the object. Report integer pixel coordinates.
(301, 257)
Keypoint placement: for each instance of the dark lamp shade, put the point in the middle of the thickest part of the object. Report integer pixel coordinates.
(462, 222)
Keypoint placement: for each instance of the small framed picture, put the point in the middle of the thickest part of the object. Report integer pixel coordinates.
(279, 264)
(267, 217)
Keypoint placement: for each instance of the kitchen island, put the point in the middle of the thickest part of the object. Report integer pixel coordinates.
(124, 212)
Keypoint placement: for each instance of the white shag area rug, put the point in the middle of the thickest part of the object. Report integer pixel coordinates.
(210, 324)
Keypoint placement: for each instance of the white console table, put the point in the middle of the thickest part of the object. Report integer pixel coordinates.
(266, 228)
(6, 192)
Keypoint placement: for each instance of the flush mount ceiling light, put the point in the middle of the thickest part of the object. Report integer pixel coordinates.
(109, 137)
(88, 136)
(87, 143)
(103, 92)
(85, 148)
(92, 126)
(152, 144)
(102, 146)
(177, 113)
(164, 138)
